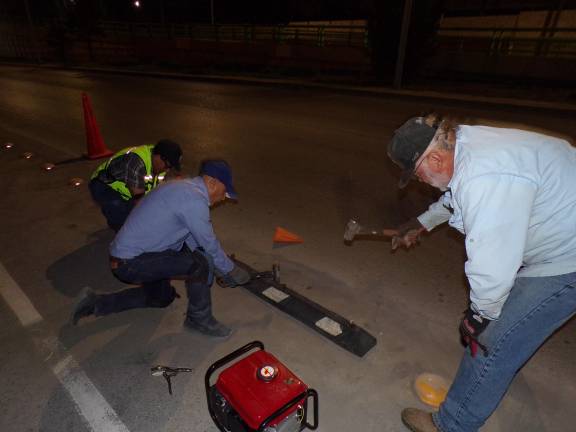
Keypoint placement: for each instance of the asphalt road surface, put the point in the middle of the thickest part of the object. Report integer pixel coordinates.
(303, 160)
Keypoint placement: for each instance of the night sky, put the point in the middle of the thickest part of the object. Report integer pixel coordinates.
(258, 11)
(225, 11)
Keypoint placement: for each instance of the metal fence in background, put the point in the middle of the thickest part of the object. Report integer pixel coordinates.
(540, 53)
(525, 42)
(351, 36)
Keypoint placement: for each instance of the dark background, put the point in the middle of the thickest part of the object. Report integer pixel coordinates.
(265, 11)
(547, 59)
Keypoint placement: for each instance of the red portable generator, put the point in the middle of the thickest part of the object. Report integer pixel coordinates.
(258, 393)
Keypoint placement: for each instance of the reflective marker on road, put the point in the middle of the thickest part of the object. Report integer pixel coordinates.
(329, 326)
(275, 294)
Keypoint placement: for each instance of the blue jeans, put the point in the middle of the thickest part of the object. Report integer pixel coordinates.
(536, 307)
(114, 208)
(153, 271)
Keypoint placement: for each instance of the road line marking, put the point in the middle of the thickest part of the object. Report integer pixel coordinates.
(90, 403)
(17, 300)
(59, 367)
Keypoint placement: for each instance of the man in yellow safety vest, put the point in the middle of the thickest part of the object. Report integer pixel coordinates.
(118, 183)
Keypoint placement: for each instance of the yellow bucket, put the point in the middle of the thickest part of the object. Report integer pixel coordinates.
(431, 389)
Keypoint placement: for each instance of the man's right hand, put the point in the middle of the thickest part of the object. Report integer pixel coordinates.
(406, 235)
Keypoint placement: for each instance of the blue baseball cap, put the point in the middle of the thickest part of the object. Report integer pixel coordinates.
(220, 170)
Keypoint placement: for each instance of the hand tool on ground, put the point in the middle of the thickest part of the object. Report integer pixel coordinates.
(354, 229)
(274, 274)
(168, 372)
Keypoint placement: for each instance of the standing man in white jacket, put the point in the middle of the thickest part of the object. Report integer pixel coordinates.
(512, 193)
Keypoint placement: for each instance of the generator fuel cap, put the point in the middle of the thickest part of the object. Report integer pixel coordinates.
(267, 373)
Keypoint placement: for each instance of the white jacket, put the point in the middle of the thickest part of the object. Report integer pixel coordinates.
(513, 195)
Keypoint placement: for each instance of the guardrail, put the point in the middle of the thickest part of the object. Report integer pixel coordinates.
(351, 36)
(534, 42)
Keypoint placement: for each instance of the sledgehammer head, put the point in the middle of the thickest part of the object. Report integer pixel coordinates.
(351, 230)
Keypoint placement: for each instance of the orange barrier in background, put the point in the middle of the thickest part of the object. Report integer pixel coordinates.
(95, 147)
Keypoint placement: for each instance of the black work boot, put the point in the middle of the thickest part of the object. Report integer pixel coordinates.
(209, 327)
(85, 306)
(418, 421)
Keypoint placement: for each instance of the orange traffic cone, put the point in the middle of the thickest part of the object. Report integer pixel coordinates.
(96, 148)
(283, 236)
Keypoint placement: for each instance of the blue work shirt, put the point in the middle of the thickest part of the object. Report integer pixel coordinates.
(175, 213)
(513, 194)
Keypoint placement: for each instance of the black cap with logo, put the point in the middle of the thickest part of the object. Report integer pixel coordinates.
(407, 145)
(170, 152)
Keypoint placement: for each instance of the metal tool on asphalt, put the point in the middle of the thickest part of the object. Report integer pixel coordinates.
(354, 229)
(168, 372)
(258, 393)
(344, 333)
(274, 274)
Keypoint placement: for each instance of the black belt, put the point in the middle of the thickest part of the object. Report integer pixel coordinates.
(116, 262)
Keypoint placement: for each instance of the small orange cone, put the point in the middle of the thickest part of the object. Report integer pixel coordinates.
(96, 149)
(283, 236)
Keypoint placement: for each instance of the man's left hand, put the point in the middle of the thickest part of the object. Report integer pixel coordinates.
(471, 326)
(237, 276)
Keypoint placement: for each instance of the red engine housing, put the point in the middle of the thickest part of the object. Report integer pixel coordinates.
(258, 392)
(255, 398)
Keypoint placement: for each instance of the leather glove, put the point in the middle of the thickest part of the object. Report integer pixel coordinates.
(408, 234)
(236, 276)
(471, 326)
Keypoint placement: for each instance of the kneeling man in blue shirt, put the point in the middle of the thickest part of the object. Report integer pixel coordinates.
(169, 235)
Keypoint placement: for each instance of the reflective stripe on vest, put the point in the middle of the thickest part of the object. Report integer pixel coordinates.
(150, 180)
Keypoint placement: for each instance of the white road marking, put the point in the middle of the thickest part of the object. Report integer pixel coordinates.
(99, 415)
(90, 403)
(17, 300)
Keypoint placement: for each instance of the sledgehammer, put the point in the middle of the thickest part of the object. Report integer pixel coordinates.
(353, 229)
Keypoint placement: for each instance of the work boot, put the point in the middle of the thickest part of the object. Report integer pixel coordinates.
(209, 327)
(418, 421)
(85, 306)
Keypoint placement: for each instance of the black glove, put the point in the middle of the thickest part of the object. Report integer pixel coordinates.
(471, 326)
(236, 276)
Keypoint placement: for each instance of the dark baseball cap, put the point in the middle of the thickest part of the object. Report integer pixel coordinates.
(407, 145)
(170, 152)
(220, 170)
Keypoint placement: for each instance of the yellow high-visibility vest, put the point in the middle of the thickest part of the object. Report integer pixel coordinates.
(150, 180)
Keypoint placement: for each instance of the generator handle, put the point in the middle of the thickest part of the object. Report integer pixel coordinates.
(217, 365)
(314, 394)
(304, 395)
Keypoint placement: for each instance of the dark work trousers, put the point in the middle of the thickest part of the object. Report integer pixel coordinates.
(153, 271)
(114, 208)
